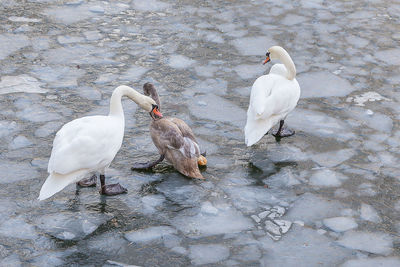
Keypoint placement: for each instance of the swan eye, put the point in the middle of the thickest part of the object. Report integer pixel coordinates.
(267, 54)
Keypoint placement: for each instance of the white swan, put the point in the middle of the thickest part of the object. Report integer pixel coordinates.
(90, 144)
(272, 97)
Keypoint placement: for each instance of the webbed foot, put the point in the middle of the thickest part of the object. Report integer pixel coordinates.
(88, 181)
(113, 189)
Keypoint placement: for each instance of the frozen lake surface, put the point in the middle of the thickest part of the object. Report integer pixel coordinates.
(327, 196)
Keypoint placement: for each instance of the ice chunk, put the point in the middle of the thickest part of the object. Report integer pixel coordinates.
(327, 178)
(23, 19)
(340, 224)
(9, 43)
(150, 202)
(377, 121)
(208, 208)
(310, 208)
(7, 128)
(390, 56)
(323, 84)
(134, 73)
(217, 109)
(368, 213)
(48, 129)
(292, 19)
(93, 35)
(80, 54)
(373, 262)
(111, 243)
(69, 39)
(253, 46)
(11, 172)
(306, 248)
(249, 71)
(320, 124)
(206, 71)
(150, 5)
(36, 113)
(20, 84)
(333, 158)
(149, 234)
(375, 242)
(71, 225)
(19, 142)
(367, 97)
(204, 224)
(180, 62)
(217, 86)
(18, 228)
(205, 254)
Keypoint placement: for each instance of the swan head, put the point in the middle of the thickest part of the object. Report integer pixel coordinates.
(268, 59)
(155, 112)
(274, 52)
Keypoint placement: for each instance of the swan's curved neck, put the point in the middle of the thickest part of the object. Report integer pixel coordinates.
(288, 62)
(119, 92)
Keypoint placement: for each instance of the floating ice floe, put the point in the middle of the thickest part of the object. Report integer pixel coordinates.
(249, 71)
(340, 224)
(150, 5)
(253, 46)
(71, 225)
(149, 234)
(323, 84)
(180, 62)
(208, 253)
(368, 213)
(306, 248)
(23, 19)
(333, 158)
(327, 178)
(309, 208)
(373, 262)
(18, 228)
(9, 43)
(366, 97)
(20, 84)
(375, 242)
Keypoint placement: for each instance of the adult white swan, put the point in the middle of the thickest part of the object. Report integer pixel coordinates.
(272, 97)
(90, 144)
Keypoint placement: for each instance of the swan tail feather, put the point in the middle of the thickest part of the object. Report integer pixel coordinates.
(55, 182)
(256, 129)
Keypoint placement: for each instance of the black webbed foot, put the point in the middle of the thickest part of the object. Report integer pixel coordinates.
(284, 132)
(141, 166)
(88, 181)
(113, 189)
(147, 165)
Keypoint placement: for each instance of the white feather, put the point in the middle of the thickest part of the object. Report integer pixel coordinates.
(272, 97)
(88, 144)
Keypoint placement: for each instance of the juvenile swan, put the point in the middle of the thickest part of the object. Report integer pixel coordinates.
(174, 140)
(272, 97)
(90, 144)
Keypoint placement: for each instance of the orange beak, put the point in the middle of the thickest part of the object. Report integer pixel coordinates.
(266, 60)
(157, 112)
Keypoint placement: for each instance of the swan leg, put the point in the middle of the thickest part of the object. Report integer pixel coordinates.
(283, 131)
(111, 189)
(88, 181)
(147, 165)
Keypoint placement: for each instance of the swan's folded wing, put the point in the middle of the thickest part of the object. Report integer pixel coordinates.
(260, 92)
(84, 143)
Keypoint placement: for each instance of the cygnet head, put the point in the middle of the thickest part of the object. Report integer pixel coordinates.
(274, 52)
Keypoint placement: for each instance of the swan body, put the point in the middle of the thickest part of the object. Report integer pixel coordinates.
(273, 97)
(175, 141)
(89, 143)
